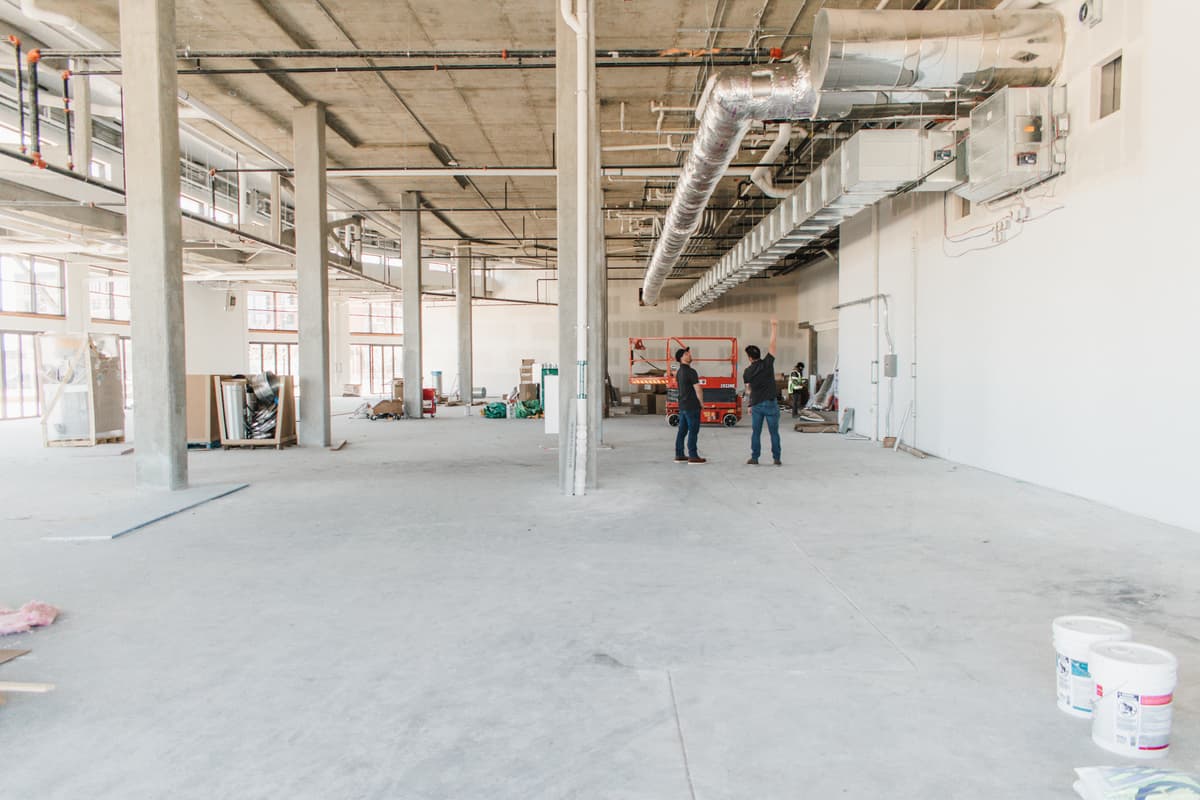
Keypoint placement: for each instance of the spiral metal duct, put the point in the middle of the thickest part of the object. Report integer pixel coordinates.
(732, 100)
(853, 51)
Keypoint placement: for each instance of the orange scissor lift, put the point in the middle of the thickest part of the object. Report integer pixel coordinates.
(722, 404)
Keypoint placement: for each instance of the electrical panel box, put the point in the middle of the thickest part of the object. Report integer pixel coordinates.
(940, 163)
(891, 365)
(1014, 142)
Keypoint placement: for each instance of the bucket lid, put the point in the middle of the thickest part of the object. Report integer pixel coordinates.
(1090, 629)
(1125, 660)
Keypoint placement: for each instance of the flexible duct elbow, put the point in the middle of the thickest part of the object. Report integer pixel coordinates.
(732, 100)
(761, 176)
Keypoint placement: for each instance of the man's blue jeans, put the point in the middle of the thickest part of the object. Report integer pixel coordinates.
(689, 427)
(767, 410)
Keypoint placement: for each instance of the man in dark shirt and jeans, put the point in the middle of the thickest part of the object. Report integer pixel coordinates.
(764, 403)
(690, 402)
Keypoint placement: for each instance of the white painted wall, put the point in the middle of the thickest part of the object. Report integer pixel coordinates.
(1066, 356)
(807, 295)
(215, 333)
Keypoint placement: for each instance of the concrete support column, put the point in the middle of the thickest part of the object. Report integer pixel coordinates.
(81, 112)
(153, 226)
(410, 284)
(570, 272)
(312, 276)
(462, 295)
(79, 307)
(597, 276)
(276, 209)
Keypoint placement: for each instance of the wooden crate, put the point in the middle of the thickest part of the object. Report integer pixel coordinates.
(82, 389)
(203, 418)
(285, 420)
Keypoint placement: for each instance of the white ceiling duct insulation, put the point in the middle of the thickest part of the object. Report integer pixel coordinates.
(732, 100)
(974, 51)
(871, 165)
(871, 51)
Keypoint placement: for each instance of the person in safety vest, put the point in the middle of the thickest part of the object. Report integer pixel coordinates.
(798, 388)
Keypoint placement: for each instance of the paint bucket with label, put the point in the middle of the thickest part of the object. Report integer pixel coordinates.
(1073, 639)
(1135, 687)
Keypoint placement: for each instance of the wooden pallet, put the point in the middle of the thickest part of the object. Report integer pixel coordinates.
(85, 442)
(827, 424)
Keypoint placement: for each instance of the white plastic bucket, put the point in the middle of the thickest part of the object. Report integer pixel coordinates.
(1135, 688)
(1073, 640)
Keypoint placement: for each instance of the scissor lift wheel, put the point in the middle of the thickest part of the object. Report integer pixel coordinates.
(673, 420)
(729, 420)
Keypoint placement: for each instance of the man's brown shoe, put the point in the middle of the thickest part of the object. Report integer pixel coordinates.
(697, 460)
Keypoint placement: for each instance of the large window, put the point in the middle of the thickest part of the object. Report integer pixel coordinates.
(108, 295)
(18, 365)
(282, 358)
(271, 311)
(374, 366)
(31, 286)
(376, 317)
(1110, 87)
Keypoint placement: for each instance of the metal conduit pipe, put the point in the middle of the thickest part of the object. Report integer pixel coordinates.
(732, 100)
(975, 51)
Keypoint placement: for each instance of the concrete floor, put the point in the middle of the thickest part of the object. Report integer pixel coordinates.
(421, 615)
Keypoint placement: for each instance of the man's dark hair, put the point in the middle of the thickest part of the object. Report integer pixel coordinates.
(800, 366)
(753, 351)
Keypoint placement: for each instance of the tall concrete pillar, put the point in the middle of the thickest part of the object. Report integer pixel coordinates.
(410, 285)
(462, 293)
(81, 112)
(312, 276)
(276, 208)
(597, 311)
(570, 271)
(153, 226)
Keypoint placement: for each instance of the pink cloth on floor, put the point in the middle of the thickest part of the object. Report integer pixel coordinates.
(30, 615)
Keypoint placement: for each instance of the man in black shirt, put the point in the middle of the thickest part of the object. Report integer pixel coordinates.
(764, 403)
(690, 403)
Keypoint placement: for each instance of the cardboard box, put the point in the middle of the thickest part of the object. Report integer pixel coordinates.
(202, 424)
(526, 370)
(388, 407)
(397, 388)
(660, 404)
(641, 403)
(527, 391)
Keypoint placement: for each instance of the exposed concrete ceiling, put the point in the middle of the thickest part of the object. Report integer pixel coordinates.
(494, 118)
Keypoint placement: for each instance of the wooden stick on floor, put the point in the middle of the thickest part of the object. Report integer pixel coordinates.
(15, 686)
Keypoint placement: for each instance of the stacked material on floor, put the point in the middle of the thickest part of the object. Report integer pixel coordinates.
(262, 405)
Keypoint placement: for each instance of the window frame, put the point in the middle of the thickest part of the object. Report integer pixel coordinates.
(31, 263)
(394, 317)
(21, 373)
(363, 359)
(274, 310)
(110, 295)
(1109, 82)
(290, 349)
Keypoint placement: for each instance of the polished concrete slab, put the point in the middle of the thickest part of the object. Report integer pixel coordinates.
(422, 615)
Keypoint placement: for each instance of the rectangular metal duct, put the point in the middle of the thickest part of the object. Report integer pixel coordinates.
(870, 166)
